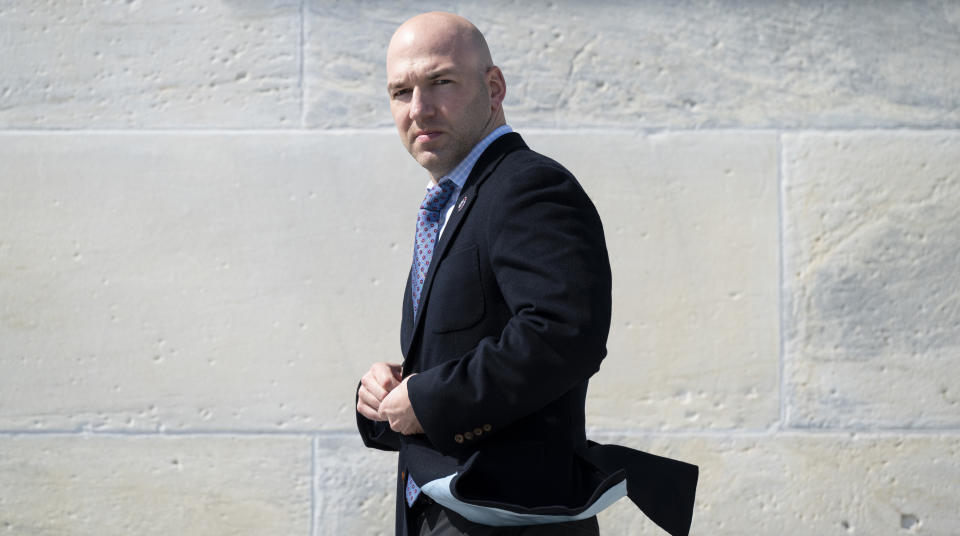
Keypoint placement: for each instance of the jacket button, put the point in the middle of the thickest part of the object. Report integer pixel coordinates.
(468, 436)
(458, 438)
(477, 431)
(486, 427)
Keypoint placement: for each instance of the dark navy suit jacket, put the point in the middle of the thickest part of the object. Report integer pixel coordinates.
(513, 321)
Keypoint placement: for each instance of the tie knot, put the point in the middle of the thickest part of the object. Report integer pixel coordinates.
(438, 196)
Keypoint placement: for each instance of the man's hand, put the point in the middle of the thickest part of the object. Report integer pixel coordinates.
(374, 387)
(396, 409)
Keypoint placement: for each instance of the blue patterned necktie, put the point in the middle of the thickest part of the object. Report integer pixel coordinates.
(429, 220)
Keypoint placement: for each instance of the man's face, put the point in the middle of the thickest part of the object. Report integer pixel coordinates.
(439, 99)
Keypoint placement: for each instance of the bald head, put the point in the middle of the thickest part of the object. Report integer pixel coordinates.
(445, 33)
(445, 92)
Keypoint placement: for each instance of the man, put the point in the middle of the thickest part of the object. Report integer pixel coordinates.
(505, 318)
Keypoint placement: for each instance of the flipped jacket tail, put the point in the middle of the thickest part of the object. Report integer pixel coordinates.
(664, 489)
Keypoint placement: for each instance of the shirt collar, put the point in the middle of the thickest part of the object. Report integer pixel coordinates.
(460, 173)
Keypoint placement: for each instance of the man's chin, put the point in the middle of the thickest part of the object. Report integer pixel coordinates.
(432, 162)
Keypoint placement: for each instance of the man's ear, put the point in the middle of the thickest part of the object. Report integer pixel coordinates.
(496, 86)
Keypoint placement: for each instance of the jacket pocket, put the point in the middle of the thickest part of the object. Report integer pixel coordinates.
(456, 298)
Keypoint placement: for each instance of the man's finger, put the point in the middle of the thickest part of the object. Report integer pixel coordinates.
(368, 412)
(373, 386)
(368, 405)
(387, 375)
(368, 399)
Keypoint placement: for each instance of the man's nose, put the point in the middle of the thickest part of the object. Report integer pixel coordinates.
(420, 105)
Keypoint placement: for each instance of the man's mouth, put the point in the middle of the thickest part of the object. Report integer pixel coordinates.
(424, 136)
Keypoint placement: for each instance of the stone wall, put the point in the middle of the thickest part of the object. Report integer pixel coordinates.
(204, 235)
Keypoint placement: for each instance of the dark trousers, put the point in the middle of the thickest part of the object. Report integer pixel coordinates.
(433, 520)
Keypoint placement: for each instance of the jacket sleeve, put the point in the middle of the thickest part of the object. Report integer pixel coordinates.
(375, 434)
(547, 251)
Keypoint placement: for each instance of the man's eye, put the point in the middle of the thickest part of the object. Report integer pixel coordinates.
(400, 92)
(442, 81)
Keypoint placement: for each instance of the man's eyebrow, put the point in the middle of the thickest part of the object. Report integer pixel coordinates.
(441, 73)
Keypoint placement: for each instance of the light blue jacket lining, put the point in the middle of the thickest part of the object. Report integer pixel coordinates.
(439, 491)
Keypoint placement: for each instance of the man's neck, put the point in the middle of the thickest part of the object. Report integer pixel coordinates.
(460, 171)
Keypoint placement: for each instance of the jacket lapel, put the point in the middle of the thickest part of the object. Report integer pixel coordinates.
(406, 322)
(484, 167)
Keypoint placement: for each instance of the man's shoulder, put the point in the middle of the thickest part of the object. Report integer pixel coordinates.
(513, 155)
(510, 155)
(526, 169)
(528, 158)
(513, 170)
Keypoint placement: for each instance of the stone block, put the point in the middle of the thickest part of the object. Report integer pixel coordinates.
(198, 281)
(150, 64)
(666, 64)
(809, 484)
(691, 226)
(355, 488)
(153, 485)
(872, 240)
